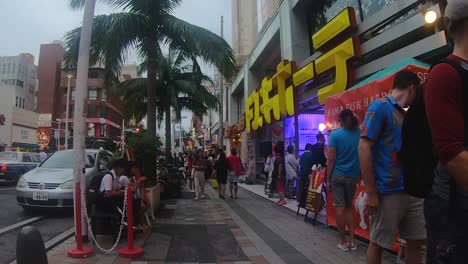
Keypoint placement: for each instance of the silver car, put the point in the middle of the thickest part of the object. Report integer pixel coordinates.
(51, 183)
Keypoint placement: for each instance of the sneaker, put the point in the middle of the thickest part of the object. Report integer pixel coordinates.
(353, 247)
(281, 203)
(196, 198)
(203, 196)
(343, 248)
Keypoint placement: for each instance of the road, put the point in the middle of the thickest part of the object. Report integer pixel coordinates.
(50, 223)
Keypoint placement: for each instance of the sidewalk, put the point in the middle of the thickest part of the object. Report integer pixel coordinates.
(247, 230)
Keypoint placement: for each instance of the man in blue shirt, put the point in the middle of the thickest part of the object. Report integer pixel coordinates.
(343, 171)
(390, 209)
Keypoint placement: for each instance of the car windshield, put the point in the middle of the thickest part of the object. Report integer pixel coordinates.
(12, 156)
(64, 160)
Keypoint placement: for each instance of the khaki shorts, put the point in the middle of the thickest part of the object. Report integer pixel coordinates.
(398, 213)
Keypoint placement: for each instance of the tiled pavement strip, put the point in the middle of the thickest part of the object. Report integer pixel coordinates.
(251, 230)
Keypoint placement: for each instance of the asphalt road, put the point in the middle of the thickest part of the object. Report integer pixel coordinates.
(50, 223)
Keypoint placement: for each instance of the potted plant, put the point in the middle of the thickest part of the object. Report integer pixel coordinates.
(146, 148)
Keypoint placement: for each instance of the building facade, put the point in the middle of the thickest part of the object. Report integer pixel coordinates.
(309, 51)
(104, 116)
(20, 74)
(244, 28)
(17, 126)
(269, 8)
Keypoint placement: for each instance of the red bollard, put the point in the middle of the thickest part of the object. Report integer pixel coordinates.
(130, 251)
(79, 251)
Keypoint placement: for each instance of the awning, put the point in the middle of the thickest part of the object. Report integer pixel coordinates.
(391, 70)
(25, 146)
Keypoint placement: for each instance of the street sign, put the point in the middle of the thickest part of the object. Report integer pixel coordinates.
(44, 120)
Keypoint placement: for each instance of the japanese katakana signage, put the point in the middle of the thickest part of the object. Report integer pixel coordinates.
(274, 100)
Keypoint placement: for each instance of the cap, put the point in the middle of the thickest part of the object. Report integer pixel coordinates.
(456, 10)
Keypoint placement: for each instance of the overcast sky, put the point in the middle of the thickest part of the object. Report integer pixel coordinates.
(25, 24)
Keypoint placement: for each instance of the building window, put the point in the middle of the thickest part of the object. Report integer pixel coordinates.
(23, 103)
(16, 101)
(93, 74)
(103, 95)
(370, 7)
(92, 111)
(104, 112)
(92, 94)
(13, 68)
(103, 130)
(73, 91)
(19, 83)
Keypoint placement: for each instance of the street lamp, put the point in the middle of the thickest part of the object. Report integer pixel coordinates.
(69, 77)
(59, 121)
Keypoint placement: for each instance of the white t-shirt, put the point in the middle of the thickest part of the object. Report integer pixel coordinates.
(124, 181)
(291, 166)
(110, 182)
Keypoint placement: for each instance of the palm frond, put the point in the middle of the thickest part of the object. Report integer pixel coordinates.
(112, 36)
(195, 41)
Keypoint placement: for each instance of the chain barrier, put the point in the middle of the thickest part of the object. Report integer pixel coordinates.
(88, 221)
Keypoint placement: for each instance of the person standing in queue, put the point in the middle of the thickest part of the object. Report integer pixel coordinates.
(390, 208)
(305, 169)
(199, 167)
(292, 165)
(343, 171)
(222, 168)
(235, 171)
(279, 172)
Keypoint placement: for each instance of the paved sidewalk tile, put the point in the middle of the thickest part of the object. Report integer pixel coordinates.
(250, 229)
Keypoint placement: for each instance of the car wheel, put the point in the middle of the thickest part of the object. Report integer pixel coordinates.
(28, 210)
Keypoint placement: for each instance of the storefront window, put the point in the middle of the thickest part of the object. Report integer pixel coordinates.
(323, 12)
(339, 6)
(370, 7)
(92, 94)
(103, 95)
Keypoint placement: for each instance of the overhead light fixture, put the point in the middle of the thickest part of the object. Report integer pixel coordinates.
(430, 17)
(322, 127)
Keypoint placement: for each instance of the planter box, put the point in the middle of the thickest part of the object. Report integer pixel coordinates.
(153, 196)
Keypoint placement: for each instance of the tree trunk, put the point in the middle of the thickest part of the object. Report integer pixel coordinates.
(167, 116)
(151, 91)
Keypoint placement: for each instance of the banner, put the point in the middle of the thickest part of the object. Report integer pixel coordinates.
(357, 99)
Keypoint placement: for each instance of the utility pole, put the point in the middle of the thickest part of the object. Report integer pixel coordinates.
(69, 77)
(221, 98)
(79, 130)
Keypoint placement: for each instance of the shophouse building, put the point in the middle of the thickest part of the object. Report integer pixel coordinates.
(104, 116)
(309, 51)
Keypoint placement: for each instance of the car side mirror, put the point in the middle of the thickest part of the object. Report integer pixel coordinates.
(103, 168)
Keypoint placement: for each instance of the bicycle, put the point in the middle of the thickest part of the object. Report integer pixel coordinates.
(172, 181)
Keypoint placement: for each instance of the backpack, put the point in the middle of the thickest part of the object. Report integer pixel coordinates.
(417, 154)
(93, 190)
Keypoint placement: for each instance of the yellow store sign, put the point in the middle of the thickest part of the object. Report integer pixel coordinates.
(274, 101)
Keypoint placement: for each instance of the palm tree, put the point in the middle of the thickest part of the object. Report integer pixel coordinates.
(145, 25)
(181, 88)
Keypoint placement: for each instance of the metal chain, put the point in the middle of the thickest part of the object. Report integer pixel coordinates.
(90, 231)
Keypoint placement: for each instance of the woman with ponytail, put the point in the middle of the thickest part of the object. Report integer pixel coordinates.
(342, 172)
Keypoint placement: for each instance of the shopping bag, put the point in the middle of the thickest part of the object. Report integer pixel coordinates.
(214, 183)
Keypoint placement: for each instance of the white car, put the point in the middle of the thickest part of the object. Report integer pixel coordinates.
(51, 183)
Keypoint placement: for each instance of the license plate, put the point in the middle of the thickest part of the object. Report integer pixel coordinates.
(40, 196)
